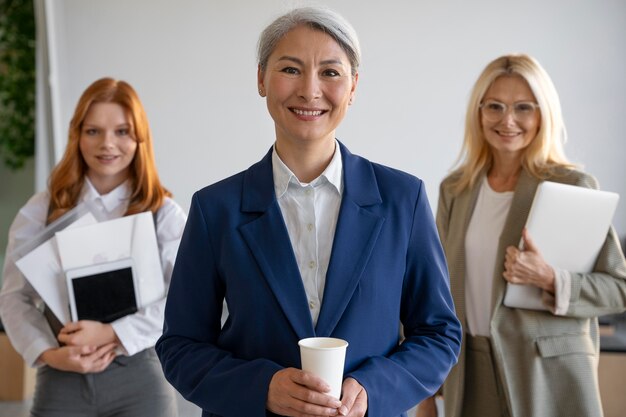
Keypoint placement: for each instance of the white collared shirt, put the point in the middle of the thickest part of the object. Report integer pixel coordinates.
(27, 328)
(310, 212)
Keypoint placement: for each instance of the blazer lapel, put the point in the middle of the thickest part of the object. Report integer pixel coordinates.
(464, 203)
(355, 236)
(268, 240)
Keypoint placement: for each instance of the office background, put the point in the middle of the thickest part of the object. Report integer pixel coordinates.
(193, 64)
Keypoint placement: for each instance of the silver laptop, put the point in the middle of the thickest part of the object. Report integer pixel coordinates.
(569, 225)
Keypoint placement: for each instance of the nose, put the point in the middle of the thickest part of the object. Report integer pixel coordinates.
(309, 88)
(108, 139)
(509, 116)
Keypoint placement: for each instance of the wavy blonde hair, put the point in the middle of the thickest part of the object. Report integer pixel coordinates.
(67, 178)
(544, 154)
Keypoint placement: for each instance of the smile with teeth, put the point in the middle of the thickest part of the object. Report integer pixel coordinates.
(300, 112)
(503, 133)
(107, 157)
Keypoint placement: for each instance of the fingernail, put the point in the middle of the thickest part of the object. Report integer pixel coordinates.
(343, 410)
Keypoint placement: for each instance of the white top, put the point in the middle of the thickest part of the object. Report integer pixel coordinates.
(481, 246)
(23, 321)
(310, 212)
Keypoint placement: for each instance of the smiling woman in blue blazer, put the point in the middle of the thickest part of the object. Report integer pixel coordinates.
(310, 241)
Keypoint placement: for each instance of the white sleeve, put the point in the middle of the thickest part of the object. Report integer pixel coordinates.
(559, 302)
(141, 330)
(23, 321)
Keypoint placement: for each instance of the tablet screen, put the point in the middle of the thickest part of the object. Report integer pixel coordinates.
(105, 296)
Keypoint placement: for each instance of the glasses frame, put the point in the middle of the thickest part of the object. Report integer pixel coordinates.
(507, 108)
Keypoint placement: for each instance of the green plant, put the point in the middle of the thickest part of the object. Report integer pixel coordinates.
(17, 81)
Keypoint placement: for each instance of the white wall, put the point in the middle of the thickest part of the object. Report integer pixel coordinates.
(193, 64)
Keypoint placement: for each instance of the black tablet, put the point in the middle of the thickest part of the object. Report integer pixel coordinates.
(103, 292)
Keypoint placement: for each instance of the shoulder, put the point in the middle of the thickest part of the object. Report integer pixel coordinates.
(397, 185)
(358, 166)
(222, 190)
(447, 186)
(573, 176)
(170, 220)
(36, 208)
(31, 218)
(170, 210)
(449, 181)
(392, 174)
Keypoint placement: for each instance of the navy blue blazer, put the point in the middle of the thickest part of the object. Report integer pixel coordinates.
(387, 267)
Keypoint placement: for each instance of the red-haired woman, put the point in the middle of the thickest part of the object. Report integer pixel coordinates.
(88, 368)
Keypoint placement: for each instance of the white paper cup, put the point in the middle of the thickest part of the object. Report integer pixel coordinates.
(325, 357)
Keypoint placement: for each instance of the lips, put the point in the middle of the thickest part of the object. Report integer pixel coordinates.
(507, 134)
(106, 158)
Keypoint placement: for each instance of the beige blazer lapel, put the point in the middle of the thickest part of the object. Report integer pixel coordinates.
(512, 231)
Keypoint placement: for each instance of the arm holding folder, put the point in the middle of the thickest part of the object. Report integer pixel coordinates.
(108, 163)
(18, 299)
(569, 254)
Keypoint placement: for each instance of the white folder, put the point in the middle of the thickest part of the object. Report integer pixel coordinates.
(38, 260)
(126, 237)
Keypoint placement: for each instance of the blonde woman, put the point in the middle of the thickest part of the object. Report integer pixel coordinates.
(517, 362)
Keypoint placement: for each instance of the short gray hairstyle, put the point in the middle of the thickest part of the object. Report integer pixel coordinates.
(317, 18)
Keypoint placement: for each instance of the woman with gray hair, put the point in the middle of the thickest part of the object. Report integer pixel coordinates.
(312, 241)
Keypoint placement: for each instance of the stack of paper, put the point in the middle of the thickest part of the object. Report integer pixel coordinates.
(79, 240)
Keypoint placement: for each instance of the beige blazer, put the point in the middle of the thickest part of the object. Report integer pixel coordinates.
(548, 364)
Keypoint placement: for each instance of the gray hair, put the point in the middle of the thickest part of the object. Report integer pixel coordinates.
(317, 18)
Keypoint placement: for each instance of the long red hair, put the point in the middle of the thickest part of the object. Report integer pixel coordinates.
(68, 177)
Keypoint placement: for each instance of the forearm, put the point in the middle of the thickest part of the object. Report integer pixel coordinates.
(213, 379)
(27, 328)
(139, 331)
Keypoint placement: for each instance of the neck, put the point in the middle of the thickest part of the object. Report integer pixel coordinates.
(306, 161)
(503, 177)
(105, 185)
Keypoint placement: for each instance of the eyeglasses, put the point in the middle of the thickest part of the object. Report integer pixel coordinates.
(494, 110)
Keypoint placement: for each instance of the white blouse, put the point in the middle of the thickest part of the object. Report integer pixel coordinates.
(23, 321)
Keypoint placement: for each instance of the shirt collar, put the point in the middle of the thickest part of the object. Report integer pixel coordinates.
(111, 200)
(333, 174)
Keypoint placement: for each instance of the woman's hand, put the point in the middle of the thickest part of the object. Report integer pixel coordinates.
(427, 408)
(81, 359)
(87, 333)
(353, 399)
(296, 393)
(528, 266)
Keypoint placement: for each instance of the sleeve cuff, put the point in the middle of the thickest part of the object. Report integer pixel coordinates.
(32, 354)
(559, 302)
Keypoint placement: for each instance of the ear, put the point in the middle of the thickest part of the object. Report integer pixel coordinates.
(259, 80)
(355, 80)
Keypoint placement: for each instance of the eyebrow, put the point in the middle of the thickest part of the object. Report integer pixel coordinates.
(301, 62)
(96, 125)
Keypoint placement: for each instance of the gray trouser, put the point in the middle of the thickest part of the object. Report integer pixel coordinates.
(130, 387)
(483, 396)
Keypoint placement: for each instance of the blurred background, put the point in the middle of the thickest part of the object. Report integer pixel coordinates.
(193, 63)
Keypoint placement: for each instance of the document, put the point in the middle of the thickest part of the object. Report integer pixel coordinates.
(38, 260)
(126, 237)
